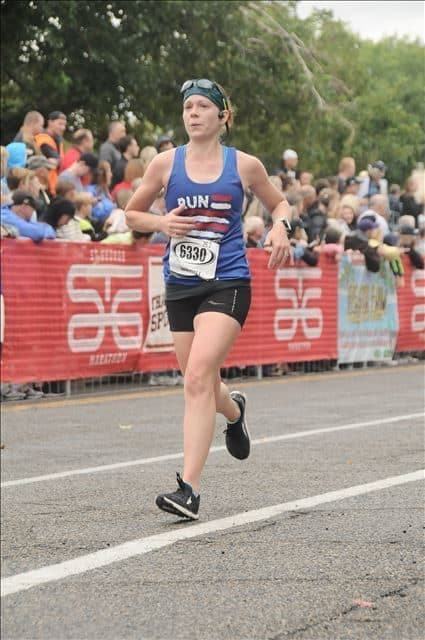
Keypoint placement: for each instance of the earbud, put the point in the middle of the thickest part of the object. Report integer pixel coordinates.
(221, 115)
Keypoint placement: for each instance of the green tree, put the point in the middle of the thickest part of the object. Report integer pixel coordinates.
(309, 84)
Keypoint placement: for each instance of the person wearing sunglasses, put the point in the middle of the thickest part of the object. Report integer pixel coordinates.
(206, 272)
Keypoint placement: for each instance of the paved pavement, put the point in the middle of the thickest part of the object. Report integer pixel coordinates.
(329, 562)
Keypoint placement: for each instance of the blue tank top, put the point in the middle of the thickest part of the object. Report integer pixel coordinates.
(217, 209)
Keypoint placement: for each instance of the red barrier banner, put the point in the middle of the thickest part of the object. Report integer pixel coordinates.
(80, 311)
(293, 313)
(411, 310)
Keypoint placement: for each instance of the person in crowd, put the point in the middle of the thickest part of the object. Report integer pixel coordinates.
(50, 143)
(99, 188)
(254, 229)
(352, 186)
(60, 215)
(316, 220)
(295, 201)
(369, 228)
(374, 183)
(85, 165)
(309, 198)
(82, 142)
(66, 189)
(32, 126)
(147, 154)
(289, 164)
(394, 204)
(300, 247)
(19, 213)
(39, 165)
(17, 178)
(288, 184)
(33, 185)
(306, 178)
(17, 155)
(332, 244)
(132, 171)
(129, 149)
(320, 184)
(5, 190)
(203, 333)
(109, 150)
(83, 210)
(408, 199)
(408, 240)
(359, 241)
(347, 212)
(164, 143)
(378, 205)
(346, 170)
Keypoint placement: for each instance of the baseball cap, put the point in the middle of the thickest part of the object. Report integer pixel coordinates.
(22, 196)
(289, 153)
(379, 164)
(350, 181)
(162, 140)
(366, 223)
(56, 115)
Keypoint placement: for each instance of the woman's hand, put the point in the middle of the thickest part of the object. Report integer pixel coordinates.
(176, 226)
(277, 244)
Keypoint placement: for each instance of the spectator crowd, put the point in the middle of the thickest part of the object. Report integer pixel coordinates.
(49, 192)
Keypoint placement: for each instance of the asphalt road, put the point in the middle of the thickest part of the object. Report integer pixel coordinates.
(343, 566)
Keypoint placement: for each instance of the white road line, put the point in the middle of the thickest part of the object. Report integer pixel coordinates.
(104, 557)
(177, 456)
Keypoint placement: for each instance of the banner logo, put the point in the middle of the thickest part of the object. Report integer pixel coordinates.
(107, 300)
(417, 284)
(288, 319)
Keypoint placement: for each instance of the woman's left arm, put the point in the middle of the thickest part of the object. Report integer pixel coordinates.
(256, 178)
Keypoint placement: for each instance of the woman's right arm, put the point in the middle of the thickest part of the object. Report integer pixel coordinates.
(137, 211)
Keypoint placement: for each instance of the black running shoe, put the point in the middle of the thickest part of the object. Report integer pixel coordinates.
(237, 435)
(182, 503)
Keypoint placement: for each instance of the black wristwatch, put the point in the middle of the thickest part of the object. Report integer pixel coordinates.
(286, 224)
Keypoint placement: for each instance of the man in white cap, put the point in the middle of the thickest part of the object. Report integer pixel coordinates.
(289, 164)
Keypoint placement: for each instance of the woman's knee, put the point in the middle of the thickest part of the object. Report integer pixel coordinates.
(198, 381)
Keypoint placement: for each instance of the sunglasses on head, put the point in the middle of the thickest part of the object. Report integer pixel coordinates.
(203, 83)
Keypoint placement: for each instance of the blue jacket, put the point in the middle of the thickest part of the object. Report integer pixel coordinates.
(104, 206)
(37, 231)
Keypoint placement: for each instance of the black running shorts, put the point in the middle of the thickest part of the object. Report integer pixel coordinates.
(233, 301)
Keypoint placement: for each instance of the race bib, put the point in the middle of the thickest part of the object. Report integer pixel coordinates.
(194, 257)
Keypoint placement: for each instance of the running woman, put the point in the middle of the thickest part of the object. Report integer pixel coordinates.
(206, 272)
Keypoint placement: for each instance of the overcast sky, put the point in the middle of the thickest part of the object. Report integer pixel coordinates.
(375, 20)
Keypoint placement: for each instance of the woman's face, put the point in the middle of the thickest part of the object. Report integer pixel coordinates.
(200, 117)
(347, 214)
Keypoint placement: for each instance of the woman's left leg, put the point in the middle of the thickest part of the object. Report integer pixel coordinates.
(214, 336)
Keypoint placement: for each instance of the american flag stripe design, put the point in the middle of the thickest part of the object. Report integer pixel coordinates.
(211, 226)
(203, 212)
(206, 235)
(210, 219)
(220, 205)
(218, 197)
